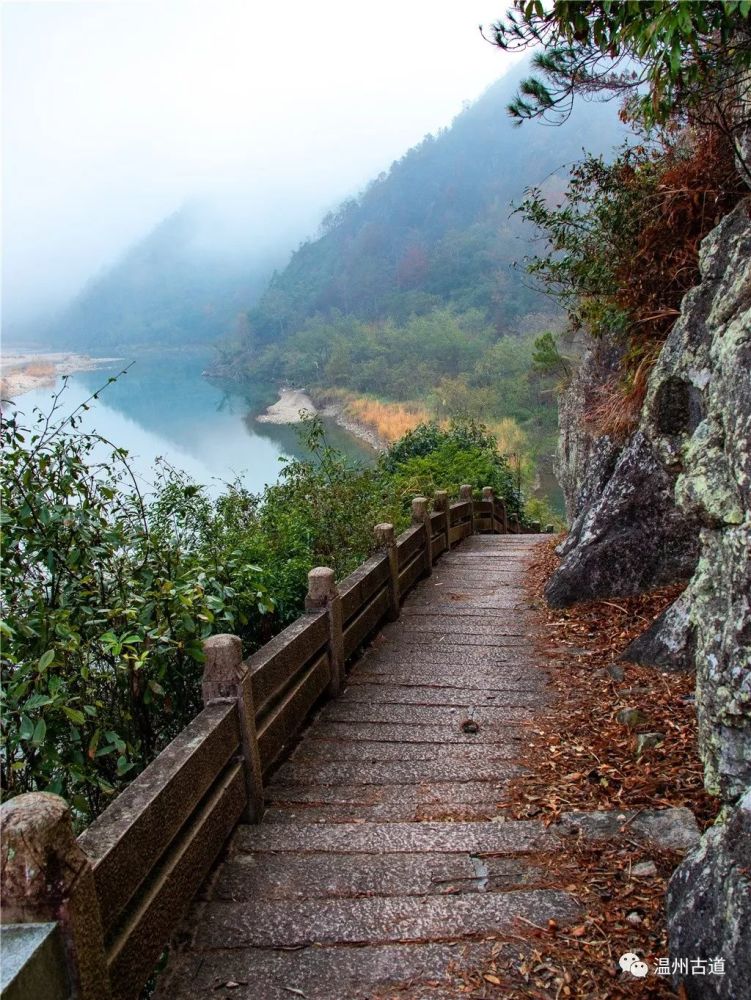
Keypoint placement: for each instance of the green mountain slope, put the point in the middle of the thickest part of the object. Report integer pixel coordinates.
(437, 228)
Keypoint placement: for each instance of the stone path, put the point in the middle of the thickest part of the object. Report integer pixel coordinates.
(378, 870)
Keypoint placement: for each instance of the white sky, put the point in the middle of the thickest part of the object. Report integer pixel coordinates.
(115, 113)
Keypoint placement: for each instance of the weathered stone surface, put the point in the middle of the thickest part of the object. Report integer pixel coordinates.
(445, 655)
(585, 462)
(381, 838)
(355, 750)
(375, 920)
(392, 812)
(313, 876)
(47, 877)
(344, 973)
(436, 793)
(668, 642)
(391, 772)
(416, 715)
(721, 615)
(394, 693)
(678, 505)
(674, 828)
(33, 962)
(709, 899)
(709, 908)
(485, 676)
(448, 735)
(633, 538)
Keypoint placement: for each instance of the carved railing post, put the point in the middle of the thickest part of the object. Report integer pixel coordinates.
(503, 518)
(441, 504)
(421, 515)
(227, 678)
(487, 496)
(465, 493)
(323, 595)
(46, 877)
(535, 527)
(386, 541)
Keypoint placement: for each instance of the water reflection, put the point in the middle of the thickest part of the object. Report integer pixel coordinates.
(164, 408)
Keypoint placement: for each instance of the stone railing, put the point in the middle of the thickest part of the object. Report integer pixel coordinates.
(105, 904)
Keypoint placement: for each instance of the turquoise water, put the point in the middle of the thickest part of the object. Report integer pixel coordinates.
(163, 407)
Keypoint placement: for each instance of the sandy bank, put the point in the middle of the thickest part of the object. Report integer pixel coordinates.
(293, 402)
(289, 408)
(20, 373)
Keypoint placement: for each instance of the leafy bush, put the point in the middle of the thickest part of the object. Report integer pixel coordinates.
(432, 458)
(104, 609)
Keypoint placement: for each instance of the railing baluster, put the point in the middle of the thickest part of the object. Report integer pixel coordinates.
(227, 678)
(46, 876)
(465, 493)
(386, 541)
(323, 595)
(421, 515)
(441, 504)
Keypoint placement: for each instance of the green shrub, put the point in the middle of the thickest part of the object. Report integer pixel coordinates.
(431, 458)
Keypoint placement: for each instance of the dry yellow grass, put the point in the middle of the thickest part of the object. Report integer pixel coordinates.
(390, 421)
(510, 436)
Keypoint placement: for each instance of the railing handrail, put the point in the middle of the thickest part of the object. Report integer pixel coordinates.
(141, 861)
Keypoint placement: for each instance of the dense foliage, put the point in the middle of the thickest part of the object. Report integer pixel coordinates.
(107, 594)
(666, 58)
(623, 243)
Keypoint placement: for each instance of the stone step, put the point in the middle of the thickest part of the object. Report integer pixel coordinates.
(446, 654)
(364, 973)
(513, 683)
(317, 750)
(344, 711)
(519, 836)
(468, 599)
(402, 735)
(456, 611)
(390, 812)
(318, 772)
(333, 876)
(456, 633)
(382, 691)
(376, 920)
(427, 793)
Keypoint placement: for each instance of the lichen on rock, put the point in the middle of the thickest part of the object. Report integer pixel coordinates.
(709, 907)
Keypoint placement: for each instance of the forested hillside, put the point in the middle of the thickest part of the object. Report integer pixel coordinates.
(168, 290)
(437, 228)
(412, 291)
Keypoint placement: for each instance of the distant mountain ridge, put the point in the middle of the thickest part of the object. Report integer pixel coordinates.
(168, 290)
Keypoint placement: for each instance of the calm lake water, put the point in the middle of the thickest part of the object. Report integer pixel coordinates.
(165, 408)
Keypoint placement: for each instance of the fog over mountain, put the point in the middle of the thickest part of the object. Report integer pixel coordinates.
(118, 115)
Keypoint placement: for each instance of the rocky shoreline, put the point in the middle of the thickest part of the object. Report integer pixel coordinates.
(293, 404)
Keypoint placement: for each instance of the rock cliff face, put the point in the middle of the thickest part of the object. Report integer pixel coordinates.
(677, 506)
(585, 462)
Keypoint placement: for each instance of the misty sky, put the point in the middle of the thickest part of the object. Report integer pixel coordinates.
(117, 113)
